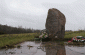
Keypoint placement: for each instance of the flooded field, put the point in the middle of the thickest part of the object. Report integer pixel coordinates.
(43, 48)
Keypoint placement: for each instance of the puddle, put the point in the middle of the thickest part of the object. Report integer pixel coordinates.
(44, 48)
(75, 50)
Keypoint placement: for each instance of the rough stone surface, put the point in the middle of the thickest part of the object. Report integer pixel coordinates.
(55, 23)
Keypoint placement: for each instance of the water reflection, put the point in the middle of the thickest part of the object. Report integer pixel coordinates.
(44, 48)
(75, 49)
(54, 49)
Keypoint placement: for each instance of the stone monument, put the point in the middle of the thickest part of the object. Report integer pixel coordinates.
(55, 24)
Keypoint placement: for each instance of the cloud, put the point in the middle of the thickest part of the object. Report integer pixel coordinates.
(52, 1)
(30, 13)
(18, 13)
(74, 13)
(26, 7)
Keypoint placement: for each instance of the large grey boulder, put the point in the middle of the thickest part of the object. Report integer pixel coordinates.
(55, 23)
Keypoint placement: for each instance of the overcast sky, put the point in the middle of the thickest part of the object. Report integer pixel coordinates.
(33, 13)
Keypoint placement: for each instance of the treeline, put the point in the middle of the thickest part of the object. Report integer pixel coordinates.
(4, 29)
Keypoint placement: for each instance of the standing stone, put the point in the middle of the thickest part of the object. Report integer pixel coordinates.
(55, 24)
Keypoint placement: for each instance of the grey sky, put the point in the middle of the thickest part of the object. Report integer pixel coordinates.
(33, 14)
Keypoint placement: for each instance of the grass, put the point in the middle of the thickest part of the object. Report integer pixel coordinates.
(73, 34)
(12, 39)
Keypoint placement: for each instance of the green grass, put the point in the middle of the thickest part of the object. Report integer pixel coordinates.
(12, 39)
(73, 34)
